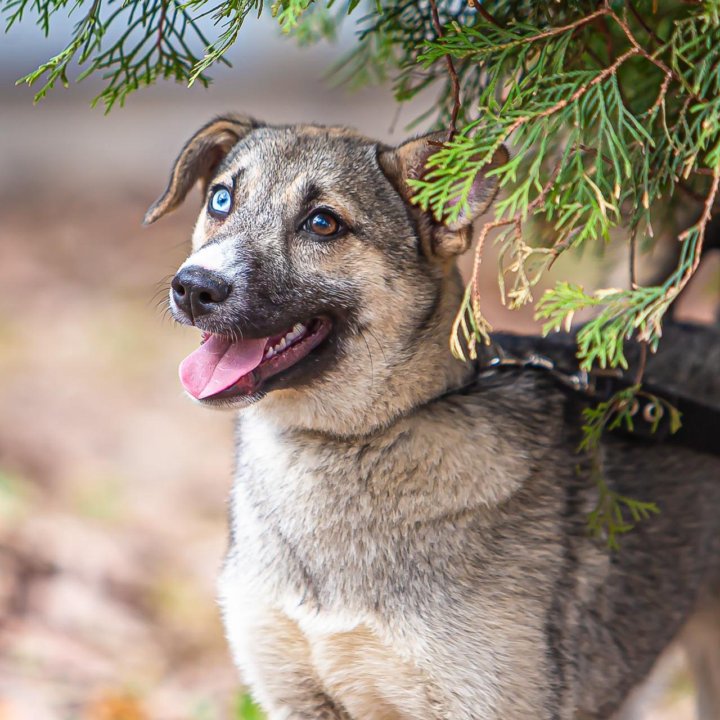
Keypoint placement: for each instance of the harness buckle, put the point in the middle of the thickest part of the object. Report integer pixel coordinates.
(579, 381)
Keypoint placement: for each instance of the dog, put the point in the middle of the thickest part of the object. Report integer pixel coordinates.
(408, 540)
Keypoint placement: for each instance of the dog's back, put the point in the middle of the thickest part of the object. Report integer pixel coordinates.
(619, 610)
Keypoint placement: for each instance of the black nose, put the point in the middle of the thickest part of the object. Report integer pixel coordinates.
(198, 291)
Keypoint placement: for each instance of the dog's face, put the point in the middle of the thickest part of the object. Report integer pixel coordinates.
(312, 277)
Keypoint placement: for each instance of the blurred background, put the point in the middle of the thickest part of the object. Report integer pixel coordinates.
(113, 486)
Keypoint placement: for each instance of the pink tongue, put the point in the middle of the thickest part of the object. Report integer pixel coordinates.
(218, 363)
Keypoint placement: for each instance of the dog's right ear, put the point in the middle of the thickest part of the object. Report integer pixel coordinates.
(199, 159)
(408, 162)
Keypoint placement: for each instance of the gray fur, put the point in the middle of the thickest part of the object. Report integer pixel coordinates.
(403, 544)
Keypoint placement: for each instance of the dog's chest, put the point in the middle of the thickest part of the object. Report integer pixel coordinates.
(323, 554)
(346, 524)
(360, 552)
(318, 526)
(378, 524)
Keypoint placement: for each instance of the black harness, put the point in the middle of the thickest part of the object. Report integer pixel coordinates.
(700, 429)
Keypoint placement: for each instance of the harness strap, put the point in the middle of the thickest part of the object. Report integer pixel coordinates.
(651, 422)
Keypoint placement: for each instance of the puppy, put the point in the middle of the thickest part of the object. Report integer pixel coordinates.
(408, 540)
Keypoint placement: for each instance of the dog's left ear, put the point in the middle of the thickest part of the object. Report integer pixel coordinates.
(408, 162)
(199, 160)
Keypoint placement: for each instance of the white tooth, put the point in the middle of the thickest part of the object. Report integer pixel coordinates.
(269, 353)
(283, 344)
(299, 328)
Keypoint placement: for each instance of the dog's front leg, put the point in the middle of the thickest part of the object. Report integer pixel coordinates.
(274, 659)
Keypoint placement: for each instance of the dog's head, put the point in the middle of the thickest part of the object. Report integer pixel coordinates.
(317, 285)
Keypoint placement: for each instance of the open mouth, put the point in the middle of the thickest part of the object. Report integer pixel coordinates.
(225, 368)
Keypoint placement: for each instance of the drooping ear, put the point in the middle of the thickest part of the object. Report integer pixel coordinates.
(409, 161)
(199, 159)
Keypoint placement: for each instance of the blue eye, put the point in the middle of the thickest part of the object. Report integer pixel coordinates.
(220, 201)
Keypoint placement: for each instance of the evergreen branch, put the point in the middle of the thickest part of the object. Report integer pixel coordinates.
(480, 41)
(518, 206)
(460, 338)
(455, 82)
(477, 5)
(587, 198)
(154, 45)
(609, 519)
(648, 56)
(641, 21)
(698, 230)
(452, 169)
(624, 313)
(15, 10)
(288, 13)
(87, 36)
(470, 307)
(564, 102)
(231, 14)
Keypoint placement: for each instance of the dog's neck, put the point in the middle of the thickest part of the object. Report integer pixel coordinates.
(415, 379)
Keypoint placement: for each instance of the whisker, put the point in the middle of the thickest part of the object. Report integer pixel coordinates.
(162, 290)
(164, 281)
(372, 366)
(166, 315)
(379, 344)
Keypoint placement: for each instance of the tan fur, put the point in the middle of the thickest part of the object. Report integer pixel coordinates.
(702, 642)
(408, 542)
(354, 665)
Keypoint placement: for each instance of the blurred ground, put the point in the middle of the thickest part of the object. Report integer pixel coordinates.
(112, 485)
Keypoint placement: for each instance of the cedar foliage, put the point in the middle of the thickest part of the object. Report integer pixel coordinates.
(612, 111)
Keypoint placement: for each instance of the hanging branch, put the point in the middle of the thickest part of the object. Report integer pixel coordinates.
(460, 336)
(455, 82)
(477, 5)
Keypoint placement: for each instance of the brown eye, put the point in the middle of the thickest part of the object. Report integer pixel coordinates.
(322, 223)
